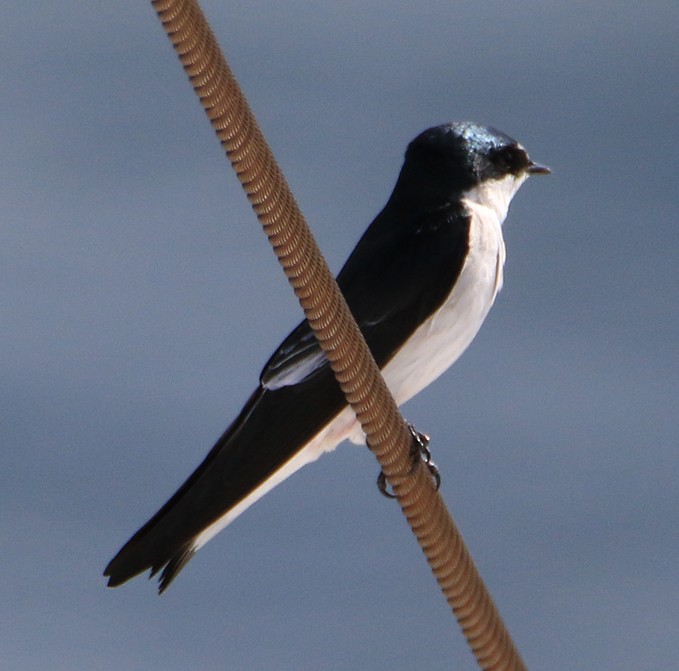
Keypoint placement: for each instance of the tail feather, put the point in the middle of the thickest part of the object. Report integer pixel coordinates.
(173, 567)
(272, 427)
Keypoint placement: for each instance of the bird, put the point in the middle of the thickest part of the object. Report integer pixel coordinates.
(419, 283)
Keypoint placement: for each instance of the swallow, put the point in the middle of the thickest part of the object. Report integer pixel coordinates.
(419, 283)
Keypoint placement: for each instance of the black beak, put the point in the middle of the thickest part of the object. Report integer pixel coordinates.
(537, 169)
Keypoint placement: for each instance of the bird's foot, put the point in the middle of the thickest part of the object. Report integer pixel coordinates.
(419, 451)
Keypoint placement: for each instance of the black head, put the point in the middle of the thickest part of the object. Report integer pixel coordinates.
(455, 157)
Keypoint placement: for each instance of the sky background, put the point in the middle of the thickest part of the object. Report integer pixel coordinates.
(139, 300)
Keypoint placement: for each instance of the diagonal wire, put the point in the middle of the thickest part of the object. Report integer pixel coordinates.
(387, 434)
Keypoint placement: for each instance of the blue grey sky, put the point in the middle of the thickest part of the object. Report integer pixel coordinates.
(139, 300)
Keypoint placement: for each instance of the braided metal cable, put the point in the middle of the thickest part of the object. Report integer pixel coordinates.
(324, 307)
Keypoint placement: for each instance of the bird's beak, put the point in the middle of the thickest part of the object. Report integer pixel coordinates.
(537, 169)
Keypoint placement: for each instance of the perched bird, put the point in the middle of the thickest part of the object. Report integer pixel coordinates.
(419, 283)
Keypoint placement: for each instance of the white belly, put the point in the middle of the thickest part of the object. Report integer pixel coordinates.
(440, 341)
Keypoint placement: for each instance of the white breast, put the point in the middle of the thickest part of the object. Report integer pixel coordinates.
(440, 341)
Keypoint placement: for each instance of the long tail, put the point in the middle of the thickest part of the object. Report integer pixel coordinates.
(272, 428)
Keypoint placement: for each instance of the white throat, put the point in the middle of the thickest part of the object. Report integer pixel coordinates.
(495, 194)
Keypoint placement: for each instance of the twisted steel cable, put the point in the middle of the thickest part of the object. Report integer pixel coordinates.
(387, 434)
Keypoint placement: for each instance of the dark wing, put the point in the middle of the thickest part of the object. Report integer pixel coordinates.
(397, 276)
(400, 272)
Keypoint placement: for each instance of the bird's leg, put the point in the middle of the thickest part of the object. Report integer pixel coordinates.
(419, 450)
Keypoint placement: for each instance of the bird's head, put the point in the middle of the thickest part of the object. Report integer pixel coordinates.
(454, 158)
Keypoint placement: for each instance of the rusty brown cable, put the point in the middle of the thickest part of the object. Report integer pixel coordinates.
(325, 309)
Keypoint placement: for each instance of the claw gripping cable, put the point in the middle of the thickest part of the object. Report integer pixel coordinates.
(325, 309)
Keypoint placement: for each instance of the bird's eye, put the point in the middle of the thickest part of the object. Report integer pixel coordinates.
(505, 159)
